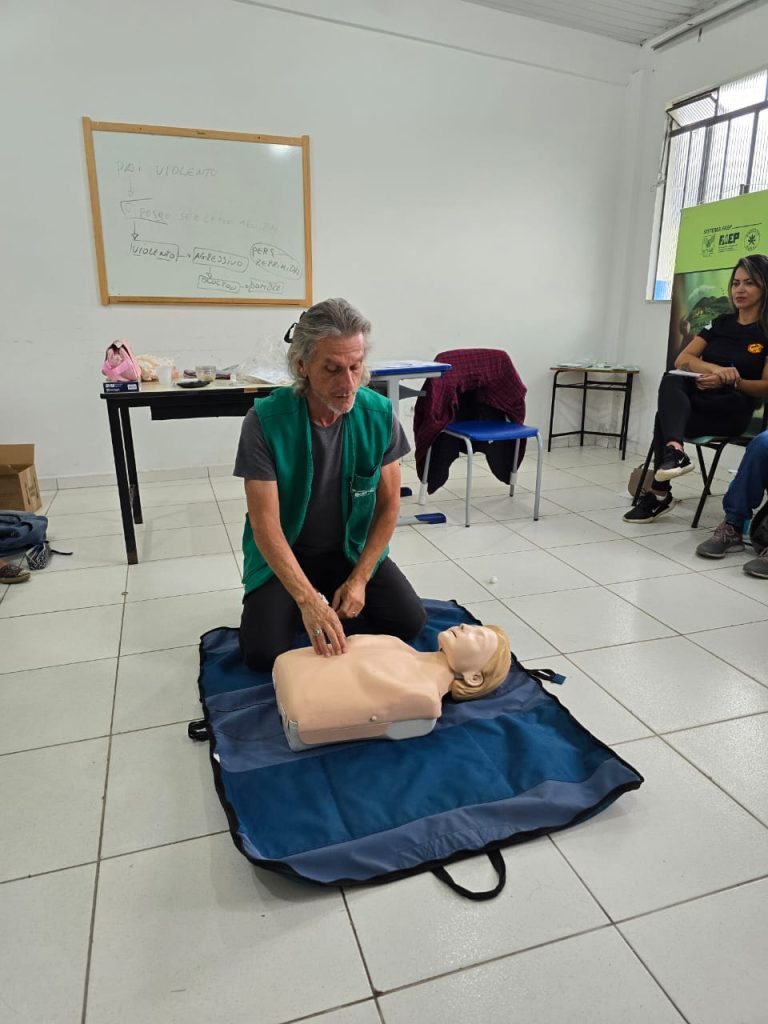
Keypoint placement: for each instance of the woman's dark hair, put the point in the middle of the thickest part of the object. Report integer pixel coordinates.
(757, 268)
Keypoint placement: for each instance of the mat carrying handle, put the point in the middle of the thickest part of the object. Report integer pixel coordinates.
(198, 730)
(499, 866)
(546, 674)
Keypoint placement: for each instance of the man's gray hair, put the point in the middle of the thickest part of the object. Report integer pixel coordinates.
(333, 318)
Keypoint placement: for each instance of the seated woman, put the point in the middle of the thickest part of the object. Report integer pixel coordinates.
(382, 687)
(730, 358)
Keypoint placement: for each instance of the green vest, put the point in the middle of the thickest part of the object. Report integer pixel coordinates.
(284, 421)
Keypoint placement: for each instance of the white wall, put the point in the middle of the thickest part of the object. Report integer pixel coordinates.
(725, 51)
(464, 192)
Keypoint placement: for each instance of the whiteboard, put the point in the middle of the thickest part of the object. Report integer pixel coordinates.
(188, 215)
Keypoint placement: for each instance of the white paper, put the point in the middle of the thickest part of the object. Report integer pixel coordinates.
(685, 373)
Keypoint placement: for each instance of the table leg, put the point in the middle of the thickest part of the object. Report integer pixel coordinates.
(130, 461)
(583, 408)
(552, 410)
(123, 490)
(393, 394)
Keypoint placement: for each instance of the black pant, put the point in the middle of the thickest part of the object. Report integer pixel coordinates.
(684, 411)
(271, 618)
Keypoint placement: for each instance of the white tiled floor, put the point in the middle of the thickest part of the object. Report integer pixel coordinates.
(123, 900)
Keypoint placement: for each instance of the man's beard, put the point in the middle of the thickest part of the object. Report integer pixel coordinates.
(337, 410)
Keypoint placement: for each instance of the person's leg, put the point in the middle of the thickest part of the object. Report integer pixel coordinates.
(674, 408)
(676, 396)
(269, 624)
(745, 493)
(392, 606)
(658, 500)
(724, 413)
(748, 487)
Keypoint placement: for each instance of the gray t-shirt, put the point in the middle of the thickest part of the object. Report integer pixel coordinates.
(323, 527)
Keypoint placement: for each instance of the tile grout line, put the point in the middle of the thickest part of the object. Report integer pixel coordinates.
(464, 968)
(374, 991)
(615, 928)
(707, 632)
(97, 875)
(710, 779)
(690, 899)
(662, 736)
(650, 973)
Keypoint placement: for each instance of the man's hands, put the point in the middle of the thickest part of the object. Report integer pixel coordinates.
(322, 621)
(349, 599)
(325, 632)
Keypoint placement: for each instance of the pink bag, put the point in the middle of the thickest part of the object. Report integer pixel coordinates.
(120, 362)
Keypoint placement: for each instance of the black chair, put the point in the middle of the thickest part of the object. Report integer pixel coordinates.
(717, 445)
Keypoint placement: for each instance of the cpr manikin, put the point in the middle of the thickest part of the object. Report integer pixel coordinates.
(381, 687)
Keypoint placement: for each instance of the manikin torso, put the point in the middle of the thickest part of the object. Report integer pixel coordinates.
(372, 681)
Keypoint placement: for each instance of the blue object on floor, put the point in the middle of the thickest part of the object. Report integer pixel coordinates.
(508, 767)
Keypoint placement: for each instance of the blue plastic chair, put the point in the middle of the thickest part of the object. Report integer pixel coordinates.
(489, 431)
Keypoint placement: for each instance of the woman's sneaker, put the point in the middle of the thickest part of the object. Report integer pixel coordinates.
(676, 463)
(724, 539)
(649, 507)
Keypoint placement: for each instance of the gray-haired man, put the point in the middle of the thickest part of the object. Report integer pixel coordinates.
(322, 481)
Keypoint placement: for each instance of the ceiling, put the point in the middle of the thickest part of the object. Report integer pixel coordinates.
(629, 21)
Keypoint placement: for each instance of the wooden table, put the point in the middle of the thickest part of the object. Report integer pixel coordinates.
(587, 384)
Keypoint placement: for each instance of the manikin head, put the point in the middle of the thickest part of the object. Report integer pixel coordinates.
(479, 657)
(326, 358)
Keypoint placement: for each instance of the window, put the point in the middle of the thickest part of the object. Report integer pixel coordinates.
(716, 146)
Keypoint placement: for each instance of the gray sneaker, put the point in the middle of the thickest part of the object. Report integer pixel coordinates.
(758, 566)
(724, 539)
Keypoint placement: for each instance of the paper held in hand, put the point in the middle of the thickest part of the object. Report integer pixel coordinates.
(685, 373)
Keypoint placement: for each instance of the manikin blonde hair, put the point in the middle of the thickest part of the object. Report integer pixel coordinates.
(494, 671)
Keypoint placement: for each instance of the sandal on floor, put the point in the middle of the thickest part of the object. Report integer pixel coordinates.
(13, 574)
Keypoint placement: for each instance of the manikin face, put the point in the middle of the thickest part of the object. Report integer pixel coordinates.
(334, 374)
(467, 649)
(747, 294)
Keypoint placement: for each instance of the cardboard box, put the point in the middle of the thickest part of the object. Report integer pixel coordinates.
(19, 489)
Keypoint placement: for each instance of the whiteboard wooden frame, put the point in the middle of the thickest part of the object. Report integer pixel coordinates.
(89, 127)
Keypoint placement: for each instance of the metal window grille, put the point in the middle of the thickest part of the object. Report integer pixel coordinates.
(715, 147)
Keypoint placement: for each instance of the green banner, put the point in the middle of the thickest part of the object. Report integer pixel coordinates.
(712, 240)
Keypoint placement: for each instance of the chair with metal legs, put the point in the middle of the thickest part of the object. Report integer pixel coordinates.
(489, 431)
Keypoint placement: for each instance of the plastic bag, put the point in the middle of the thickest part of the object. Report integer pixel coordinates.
(149, 364)
(268, 363)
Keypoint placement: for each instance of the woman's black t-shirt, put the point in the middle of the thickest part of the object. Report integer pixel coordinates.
(730, 343)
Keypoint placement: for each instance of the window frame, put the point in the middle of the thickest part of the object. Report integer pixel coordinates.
(675, 130)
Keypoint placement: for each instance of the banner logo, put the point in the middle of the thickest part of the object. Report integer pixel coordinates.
(708, 245)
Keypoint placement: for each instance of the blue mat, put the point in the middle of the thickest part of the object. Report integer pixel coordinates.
(508, 767)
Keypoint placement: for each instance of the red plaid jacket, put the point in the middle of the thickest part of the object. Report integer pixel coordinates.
(481, 384)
